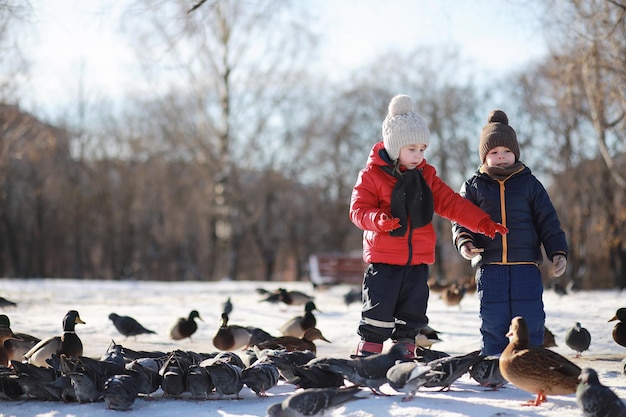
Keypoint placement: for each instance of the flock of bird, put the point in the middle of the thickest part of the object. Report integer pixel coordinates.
(54, 369)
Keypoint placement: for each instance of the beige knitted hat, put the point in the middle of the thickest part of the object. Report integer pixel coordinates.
(403, 126)
(497, 132)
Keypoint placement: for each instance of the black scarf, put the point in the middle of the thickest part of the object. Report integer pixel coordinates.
(411, 198)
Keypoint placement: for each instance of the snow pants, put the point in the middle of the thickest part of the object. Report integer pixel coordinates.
(395, 298)
(506, 291)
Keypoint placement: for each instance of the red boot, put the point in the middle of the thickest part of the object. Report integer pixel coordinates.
(368, 348)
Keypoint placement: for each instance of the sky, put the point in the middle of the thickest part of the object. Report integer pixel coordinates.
(42, 303)
(72, 38)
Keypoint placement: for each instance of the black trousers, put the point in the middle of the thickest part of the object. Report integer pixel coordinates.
(395, 299)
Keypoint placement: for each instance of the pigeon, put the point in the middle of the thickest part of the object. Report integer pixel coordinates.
(312, 402)
(7, 303)
(260, 377)
(595, 399)
(425, 355)
(578, 339)
(487, 373)
(370, 371)
(314, 375)
(451, 368)
(352, 296)
(227, 307)
(9, 387)
(37, 382)
(128, 326)
(85, 380)
(226, 377)
(114, 355)
(408, 377)
(296, 326)
(285, 361)
(119, 392)
(146, 374)
(199, 382)
(185, 327)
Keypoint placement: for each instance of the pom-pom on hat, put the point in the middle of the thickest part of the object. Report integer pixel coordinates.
(497, 132)
(403, 126)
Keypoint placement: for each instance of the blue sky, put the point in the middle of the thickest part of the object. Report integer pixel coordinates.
(81, 39)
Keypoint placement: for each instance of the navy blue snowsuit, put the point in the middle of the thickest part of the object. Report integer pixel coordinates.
(508, 276)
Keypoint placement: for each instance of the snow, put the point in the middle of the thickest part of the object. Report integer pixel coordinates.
(42, 303)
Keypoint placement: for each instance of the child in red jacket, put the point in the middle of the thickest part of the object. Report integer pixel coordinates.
(393, 202)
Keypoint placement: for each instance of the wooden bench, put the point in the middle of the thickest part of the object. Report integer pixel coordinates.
(336, 268)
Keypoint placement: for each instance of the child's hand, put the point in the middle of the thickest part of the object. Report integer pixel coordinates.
(387, 224)
(559, 262)
(469, 251)
(489, 228)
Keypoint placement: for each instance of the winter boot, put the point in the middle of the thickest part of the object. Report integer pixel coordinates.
(410, 344)
(368, 348)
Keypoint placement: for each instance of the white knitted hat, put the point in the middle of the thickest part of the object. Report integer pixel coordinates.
(403, 126)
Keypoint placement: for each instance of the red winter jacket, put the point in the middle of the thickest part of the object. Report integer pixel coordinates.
(371, 196)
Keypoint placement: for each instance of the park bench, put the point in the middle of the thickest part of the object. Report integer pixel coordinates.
(336, 268)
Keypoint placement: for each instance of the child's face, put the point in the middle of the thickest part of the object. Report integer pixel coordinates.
(500, 156)
(412, 155)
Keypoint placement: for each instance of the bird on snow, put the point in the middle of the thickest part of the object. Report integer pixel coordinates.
(578, 339)
(185, 327)
(226, 377)
(227, 307)
(427, 337)
(451, 368)
(260, 377)
(68, 343)
(230, 336)
(312, 402)
(370, 371)
(595, 399)
(128, 326)
(619, 331)
(487, 373)
(536, 369)
(296, 326)
(7, 303)
(120, 392)
(408, 377)
(198, 382)
(291, 343)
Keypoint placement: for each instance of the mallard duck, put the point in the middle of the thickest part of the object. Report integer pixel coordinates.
(128, 326)
(5, 334)
(16, 347)
(619, 331)
(231, 337)
(453, 294)
(68, 343)
(291, 343)
(536, 369)
(578, 339)
(296, 326)
(185, 327)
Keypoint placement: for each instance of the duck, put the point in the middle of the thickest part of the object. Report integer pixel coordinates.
(427, 337)
(619, 331)
(453, 295)
(536, 369)
(231, 337)
(296, 326)
(15, 347)
(185, 327)
(5, 334)
(68, 343)
(578, 339)
(128, 326)
(548, 338)
(290, 343)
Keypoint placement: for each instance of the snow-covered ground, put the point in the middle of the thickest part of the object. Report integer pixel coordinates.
(42, 303)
